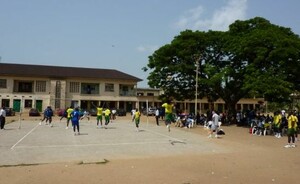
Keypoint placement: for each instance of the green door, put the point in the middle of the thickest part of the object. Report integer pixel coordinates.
(39, 105)
(17, 105)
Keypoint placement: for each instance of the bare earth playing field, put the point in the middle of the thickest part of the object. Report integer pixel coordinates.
(251, 159)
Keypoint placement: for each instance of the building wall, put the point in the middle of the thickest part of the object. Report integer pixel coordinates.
(61, 97)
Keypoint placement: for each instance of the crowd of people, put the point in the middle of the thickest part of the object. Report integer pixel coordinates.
(280, 124)
(75, 115)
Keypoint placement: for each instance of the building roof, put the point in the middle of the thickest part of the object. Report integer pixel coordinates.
(27, 70)
(148, 89)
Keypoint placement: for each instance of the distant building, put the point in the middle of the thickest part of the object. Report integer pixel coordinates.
(150, 97)
(36, 86)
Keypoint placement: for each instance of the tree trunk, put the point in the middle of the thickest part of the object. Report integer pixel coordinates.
(231, 111)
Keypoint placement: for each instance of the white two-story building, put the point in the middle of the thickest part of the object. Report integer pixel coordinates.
(36, 86)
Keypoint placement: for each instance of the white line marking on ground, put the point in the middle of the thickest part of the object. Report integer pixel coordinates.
(88, 145)
(24, 136)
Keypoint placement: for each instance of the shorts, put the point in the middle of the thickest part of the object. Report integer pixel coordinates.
(75, 123)
(169, 118)
(213, 127)
(99, 118)
(291, 131)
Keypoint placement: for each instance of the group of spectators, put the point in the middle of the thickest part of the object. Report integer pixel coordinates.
(278, 125)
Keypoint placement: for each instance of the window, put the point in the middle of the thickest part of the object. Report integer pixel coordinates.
(23, 86)
(109, 87)
(3, 83)
(40, 86)
(140, 94)
(74, 87)
(150, 94)
(28, 104)
(89, 88)
(127, 90)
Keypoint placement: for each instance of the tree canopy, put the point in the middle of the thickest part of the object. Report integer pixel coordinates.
(252, 58)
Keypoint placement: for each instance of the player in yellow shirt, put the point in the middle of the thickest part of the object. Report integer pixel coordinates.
(99, 116)
(107, 116)
(137, 116)
(168, 113)
(277, 124)
(292, 127)
(69, 111)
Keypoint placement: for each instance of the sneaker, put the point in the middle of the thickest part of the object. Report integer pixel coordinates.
(51, 125)
(40, 123)
(216, 136)
(279, 136)
(293, 146)
(78, 133)
(210, 136)
(67, 127)
(287, 146)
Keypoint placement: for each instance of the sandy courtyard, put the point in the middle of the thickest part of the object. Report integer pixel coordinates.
(252, 159)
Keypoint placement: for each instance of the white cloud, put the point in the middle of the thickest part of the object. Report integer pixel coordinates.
(220, 20)
(147, 48)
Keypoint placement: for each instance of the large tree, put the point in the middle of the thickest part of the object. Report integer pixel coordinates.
(254, 57)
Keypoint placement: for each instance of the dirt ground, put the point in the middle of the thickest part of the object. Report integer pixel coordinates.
(255, 159)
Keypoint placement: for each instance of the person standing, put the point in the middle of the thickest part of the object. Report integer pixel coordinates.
(99, 116)
(214, 125)
(292, 127)
(107, 116)
(114, 113)
(2, 117)
(284, 121)
(69, 111)
(157, 116)
(49, 114)
(75, 116)
(168, 113)
(137, 119)
(277, 124)
(132, 114)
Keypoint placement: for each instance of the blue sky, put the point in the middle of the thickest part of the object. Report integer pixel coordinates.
(119, 34)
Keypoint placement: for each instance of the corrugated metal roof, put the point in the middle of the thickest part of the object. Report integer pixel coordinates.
(11, 69)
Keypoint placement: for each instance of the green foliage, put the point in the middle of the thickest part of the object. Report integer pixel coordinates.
(252, 58)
